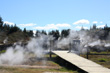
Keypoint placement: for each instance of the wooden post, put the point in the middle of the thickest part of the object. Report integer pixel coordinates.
(87, 54)
(50, 54)
(50, 49)
(69, 50)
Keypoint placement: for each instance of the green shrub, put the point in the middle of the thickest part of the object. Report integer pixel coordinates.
(102, 60)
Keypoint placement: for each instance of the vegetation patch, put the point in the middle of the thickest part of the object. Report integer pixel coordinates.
(102, 60)
(55, 61)
(3, 51)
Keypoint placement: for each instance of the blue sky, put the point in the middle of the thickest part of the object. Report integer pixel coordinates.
(55, 14)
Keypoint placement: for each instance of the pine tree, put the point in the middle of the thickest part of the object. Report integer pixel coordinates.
(37, 33)
(30, 33)
(44, 32)
(24, 30)
(1, 23)
(94, 27)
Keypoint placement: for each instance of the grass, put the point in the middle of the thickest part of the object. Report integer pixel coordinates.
(63, 65)
(54, 61)
(3, 51)
(28, 70)
(100, 52)
(103, 60)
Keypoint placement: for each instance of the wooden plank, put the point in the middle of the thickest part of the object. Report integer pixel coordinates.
(83, 63)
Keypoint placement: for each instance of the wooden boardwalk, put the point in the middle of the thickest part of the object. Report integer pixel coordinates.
(82, 63)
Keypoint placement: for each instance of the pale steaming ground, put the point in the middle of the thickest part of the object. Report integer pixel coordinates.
(38, 47)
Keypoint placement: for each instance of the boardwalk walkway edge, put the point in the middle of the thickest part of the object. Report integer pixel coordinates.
(82, 63)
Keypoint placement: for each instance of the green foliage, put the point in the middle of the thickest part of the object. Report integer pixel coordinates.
(43, 32)
(13, 32)
(1, 23)
(40, 32)
(55, 34)
(102, 60)
(13, 29)
(30, 33)
(24, 30)
(65, 33)
(3, 51)
(104, 52)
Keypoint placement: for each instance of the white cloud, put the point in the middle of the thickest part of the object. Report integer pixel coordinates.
(82, 21)
(100, 26)
(47, 27)
(79, 27)
(9, 23)
(101, 22)
(27, 25)
(52, 26)
(63, 25)
(94, 22)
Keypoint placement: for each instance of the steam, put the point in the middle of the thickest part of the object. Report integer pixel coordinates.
(98, 42)
(38, 47)
(5, 41)
(86, 39)
(12, 56)
(18, 54)
(107, 45)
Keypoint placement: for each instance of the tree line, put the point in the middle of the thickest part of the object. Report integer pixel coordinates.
(14, 33)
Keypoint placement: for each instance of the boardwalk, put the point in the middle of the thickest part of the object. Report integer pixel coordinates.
(82, 63)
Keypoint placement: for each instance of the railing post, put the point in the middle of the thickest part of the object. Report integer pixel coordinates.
(50, 54)
(87, 54)
(50, 49)
(69, 48)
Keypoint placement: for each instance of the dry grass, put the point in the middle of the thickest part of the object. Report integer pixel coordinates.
(28, 70)
(48, 62)
(33, 70)
(103, 60)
